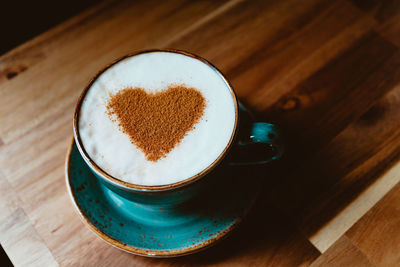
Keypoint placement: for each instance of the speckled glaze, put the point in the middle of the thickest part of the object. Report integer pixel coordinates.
(158, 230)
(174, 219)
(159, 225)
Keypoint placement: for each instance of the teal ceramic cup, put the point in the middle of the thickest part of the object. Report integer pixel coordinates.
(251, 143)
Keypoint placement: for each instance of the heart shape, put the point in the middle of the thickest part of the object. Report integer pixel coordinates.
(157, 122)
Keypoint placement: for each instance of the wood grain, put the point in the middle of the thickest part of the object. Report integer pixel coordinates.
(327, 72)
(20, 239)
(386, 14)
(355, 76)
(377, 234)
(351, 163)
(327, 234)
(111, 37)
(26, 55)
(342, 253)
(380, 10)
(265, 238)
(10, 202)
(285, 54)
(332, 178)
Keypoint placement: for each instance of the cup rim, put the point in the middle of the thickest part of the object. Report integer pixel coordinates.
(153, 188)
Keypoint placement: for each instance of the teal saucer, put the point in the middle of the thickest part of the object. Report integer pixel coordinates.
(164, 231)
(161, 232)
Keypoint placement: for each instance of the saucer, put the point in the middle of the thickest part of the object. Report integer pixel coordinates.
(146, 231)
(155, 231)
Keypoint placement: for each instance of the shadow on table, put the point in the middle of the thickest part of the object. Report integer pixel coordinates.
(265, 235)
(304, 190)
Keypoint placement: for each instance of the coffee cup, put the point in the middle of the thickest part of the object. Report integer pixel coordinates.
(219, 139)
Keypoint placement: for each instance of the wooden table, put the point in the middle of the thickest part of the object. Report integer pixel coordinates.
(327, 71)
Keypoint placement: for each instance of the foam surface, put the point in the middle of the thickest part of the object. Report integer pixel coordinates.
(113, 151)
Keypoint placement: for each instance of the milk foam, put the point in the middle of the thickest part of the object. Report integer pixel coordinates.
(113, 151)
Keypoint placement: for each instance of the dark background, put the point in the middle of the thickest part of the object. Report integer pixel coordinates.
(21, 21)
(4, 260)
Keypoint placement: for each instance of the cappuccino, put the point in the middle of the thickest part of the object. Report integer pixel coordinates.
(148, 78)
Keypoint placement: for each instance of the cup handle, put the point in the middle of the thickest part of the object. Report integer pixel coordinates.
(262, 145)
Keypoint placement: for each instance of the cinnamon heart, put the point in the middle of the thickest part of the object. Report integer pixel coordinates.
(157, 122)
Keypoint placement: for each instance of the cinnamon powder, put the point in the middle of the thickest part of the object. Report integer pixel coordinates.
(157, 122)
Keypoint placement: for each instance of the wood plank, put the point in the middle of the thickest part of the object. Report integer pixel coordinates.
(275, 238)
(125, 30)
(353, 211)
(336, 186)
(44, 45)
(380, 10)
(390, 29)
(387, 14)
(22, 243)
(311, 34)
(43, 141)
(377, 234)
(70, 241)
(9, 201)
(266, 238)
(34, 155)
(318, 69)
(342, 253)
(294, 47)
(337, 174)
(338, 93)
